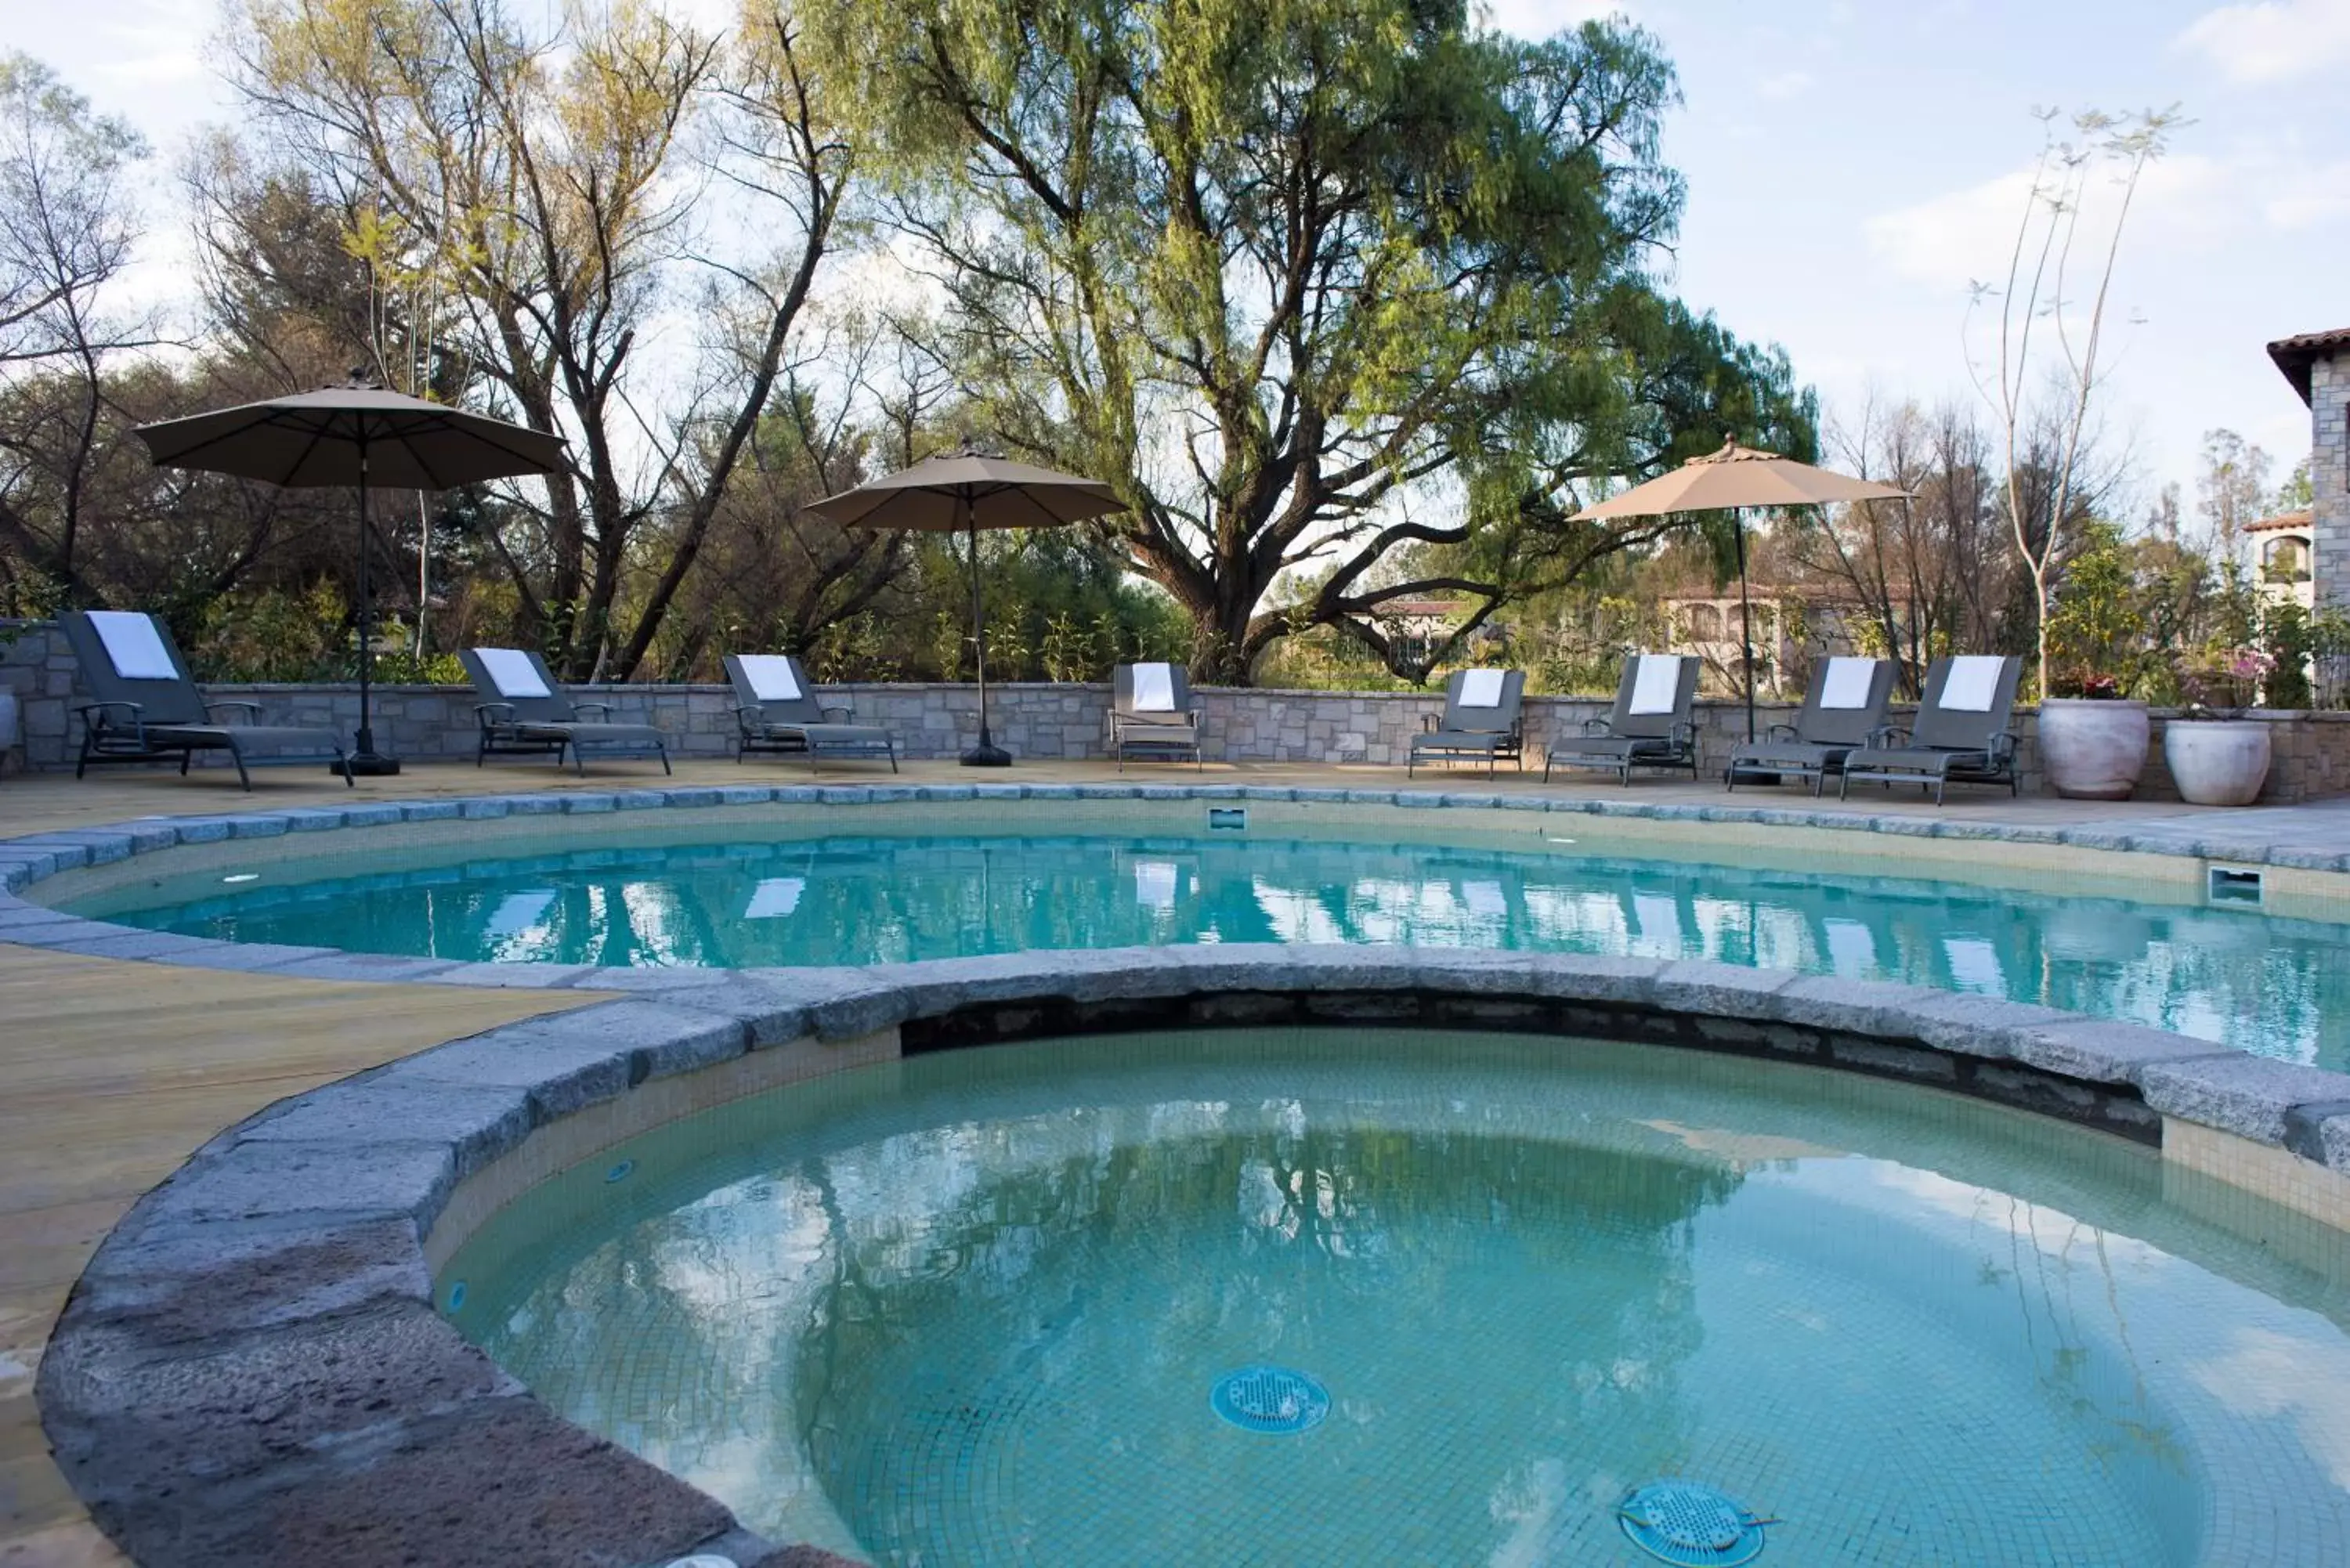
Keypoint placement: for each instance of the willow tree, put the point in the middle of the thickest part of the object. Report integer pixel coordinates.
(550, 170)
(1347, 296)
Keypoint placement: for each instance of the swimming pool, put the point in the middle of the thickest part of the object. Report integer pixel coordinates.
(980, 1307)
(2261, 982)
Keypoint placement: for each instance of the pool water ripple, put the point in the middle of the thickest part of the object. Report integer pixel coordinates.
(2272, 986)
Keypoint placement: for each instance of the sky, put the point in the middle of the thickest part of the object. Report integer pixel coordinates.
(1852, 166)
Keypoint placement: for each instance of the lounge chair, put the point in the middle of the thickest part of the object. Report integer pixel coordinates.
(1151, 715)
(1961, 733)
(1842, 706)
(1649, 727)
(145, 707)
(1483, 718)
(776, 711)
(525, 713)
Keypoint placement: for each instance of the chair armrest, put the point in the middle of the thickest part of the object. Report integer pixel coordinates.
(132, 710)
(490, 715)
(1682, 733)
(1597, 727)
(838, 712)
(252, 708)
(1430, 722)
(1885, 737)
(1781, 732)
(2002, 746)
(603, 709)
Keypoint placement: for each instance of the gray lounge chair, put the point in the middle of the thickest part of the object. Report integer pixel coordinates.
(1493, 726)
(523, 712)
(1649, 727)
(1961, 733)
(1842, 707)
(776, 711)
(1151, 716)
(145, 707)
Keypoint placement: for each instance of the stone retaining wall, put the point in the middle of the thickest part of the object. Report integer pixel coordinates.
(1044, 722)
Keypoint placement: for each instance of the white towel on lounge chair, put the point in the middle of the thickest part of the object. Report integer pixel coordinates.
(133, 645)
(1154, 689)
(1847, 682)
(511, 672)
(1973, 682)
(1657, 683)
(771, 677)
(1480, 689)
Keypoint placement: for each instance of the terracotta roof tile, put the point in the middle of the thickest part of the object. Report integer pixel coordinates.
(2292, 355)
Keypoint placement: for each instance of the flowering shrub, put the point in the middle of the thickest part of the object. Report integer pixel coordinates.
(2220, 681)
(2088, 683)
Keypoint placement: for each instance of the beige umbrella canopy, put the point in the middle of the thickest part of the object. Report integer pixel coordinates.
(360, 435)
(1731, 479)
(964, 494)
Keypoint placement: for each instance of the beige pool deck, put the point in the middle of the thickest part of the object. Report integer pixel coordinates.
(117, 1071)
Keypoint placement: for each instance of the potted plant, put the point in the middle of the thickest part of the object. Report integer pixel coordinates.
(2093, 740)
(2216, 757)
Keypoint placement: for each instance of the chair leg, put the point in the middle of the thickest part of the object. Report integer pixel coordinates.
(237, 754)
(893, 756)
(666, 771)
(578, 760)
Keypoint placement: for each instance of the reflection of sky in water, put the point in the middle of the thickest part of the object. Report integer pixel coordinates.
(2272, 986)
(914, 1321)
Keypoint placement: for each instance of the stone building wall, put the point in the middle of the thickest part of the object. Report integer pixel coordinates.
(2329, 477)
(1040, 721)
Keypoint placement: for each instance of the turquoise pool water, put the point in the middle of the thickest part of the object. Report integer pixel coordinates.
(2276, 986)
(970, 1308)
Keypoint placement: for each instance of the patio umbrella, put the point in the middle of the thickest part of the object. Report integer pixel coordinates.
(962, 495)
(1732, 479)
(359, 435)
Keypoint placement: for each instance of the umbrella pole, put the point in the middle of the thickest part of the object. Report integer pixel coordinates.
(1746, 613)
(366, 760)
(987, 753)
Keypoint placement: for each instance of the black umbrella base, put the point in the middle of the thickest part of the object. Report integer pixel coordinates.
(368, 765)
(987, 757)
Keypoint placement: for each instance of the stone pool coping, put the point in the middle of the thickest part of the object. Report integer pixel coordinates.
(252, 1368)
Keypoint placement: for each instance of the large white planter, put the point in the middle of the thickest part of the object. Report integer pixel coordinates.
(2091, 750)
(2217, 761)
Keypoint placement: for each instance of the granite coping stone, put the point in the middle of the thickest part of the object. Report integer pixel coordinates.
(2103, 1051)
(2252, 1096)
(255, 1179)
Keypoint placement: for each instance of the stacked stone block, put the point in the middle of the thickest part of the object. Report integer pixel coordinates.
(2329, 476)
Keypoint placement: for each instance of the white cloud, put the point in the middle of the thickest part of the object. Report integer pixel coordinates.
(2308, 197)
(2187, 203)
(2271, 41)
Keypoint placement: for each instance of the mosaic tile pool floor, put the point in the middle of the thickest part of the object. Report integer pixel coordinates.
(2268, 985)
(969, 1310)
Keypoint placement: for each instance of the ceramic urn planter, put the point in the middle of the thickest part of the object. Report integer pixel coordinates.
(2217, 761)
(2093, 749)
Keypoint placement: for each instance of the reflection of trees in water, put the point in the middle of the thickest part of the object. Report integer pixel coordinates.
(2042, 1254)
(1257, 1238)
(2265, 984)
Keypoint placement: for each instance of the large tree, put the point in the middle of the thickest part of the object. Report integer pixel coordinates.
(547, 173)
(66, 225)
(1349, 299)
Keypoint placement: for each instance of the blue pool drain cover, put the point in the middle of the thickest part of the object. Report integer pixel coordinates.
(1691, 1525)
(1270, 1399)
